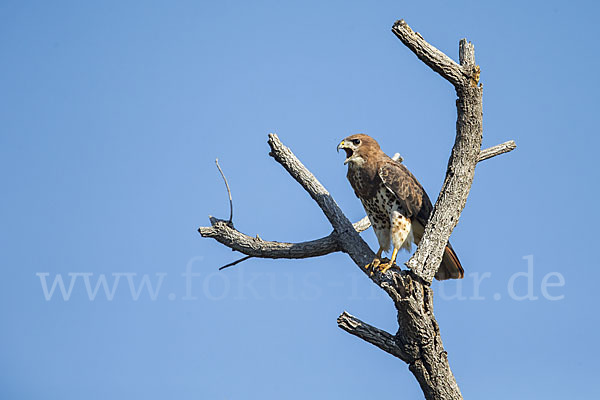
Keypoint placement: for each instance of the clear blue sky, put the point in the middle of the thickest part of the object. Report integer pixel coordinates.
(112, 114)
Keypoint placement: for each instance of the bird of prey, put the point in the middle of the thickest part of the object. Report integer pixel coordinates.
(395, 202)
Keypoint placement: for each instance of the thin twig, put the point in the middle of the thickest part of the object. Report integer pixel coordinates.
(235, 262)
(228, 192)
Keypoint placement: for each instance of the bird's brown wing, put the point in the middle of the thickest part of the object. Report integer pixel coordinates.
(417, 206)
(409, 192)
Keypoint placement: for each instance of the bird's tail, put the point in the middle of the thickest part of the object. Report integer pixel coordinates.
(450, 267)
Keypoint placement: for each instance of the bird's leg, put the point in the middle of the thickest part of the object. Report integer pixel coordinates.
(376, 261)
(384, 267)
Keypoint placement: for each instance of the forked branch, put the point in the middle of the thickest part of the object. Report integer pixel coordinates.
(465, 152)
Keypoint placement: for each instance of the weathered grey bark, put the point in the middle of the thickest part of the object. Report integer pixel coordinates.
(417, 341)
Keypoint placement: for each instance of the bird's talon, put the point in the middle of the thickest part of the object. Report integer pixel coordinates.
(384, 267)
(373, 264)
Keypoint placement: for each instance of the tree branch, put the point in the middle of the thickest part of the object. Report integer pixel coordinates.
(463, 159)
(497, 150)
(432, 57)
(236, 262)
(362, 225)
(284, 156)
(228, 190)
(377, 337)
(225, 234)
(349, 240)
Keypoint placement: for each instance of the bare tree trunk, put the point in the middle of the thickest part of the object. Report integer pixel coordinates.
(418, 341)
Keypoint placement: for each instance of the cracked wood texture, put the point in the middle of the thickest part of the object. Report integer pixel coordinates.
(418, 341)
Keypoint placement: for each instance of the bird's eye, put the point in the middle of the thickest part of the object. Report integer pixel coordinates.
(356, 141)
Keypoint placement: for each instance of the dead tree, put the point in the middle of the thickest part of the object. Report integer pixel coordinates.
(417, 341)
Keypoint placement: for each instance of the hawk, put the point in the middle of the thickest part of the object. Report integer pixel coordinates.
(395, 202)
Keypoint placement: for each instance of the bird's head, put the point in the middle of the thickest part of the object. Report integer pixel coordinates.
(358, 147)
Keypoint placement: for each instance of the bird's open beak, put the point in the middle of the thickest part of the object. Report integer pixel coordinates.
(347, 149)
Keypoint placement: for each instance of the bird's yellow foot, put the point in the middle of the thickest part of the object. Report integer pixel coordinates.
(373, 264)
(385, 266)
